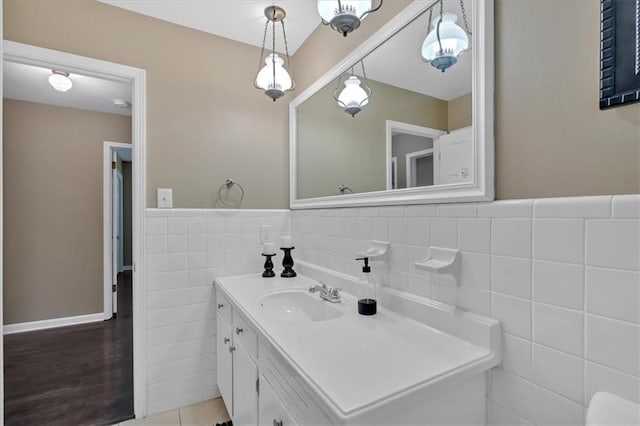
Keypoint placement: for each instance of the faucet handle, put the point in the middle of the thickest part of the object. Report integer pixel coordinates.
(335, 292)
(324, 286)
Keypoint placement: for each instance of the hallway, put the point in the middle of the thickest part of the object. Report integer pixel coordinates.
(76, 375)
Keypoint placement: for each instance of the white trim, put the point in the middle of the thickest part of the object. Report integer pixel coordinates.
(22, 327)
(127, 268)
(27, 54)
(1, 221)
(107, 212)
(410, 169)
(482, 188)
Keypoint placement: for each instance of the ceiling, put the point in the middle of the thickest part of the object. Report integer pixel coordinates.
(30, 83)
(240, 20)
(398, 62)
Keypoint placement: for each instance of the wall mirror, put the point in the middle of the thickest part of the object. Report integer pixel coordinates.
(406, 118)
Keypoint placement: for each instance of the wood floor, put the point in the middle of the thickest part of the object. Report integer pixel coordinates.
(76, 375)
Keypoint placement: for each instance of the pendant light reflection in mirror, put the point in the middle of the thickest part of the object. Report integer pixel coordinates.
(355, 94)
(273, 78)
(445, 40)
(345, 16)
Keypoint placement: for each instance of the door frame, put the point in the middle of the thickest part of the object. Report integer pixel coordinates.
(107, 222)
(33, 55)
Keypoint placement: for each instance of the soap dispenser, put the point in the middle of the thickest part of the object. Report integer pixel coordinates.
(367, 304)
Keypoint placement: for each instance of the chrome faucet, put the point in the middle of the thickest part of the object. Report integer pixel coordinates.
(326, 293)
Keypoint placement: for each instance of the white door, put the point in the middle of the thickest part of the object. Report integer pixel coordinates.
(455, 157)
(116, 203)
(245, 392)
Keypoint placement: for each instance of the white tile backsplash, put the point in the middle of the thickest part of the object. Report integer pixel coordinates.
(561, 275)
(560, 240)
(559, 328)
(613, 243)
(186, 250)
(511, 237)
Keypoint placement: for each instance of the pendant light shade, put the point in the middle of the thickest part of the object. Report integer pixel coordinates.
(60, 81)
(345, 16)
(446, 40)
(355, 94)
(273, 78)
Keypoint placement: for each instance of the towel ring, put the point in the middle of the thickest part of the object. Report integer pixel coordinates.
(228, 184)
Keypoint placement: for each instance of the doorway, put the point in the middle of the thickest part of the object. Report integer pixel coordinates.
(117, 226)
(83, 66)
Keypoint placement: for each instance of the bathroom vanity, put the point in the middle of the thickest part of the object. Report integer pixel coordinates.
(285, 356)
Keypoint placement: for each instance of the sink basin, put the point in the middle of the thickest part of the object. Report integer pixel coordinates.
(297, 305)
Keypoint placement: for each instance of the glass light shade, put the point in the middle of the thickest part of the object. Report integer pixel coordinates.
(328, 9)
(274, 88)
(453, 38)
(344, 17)
(60, 82)
(353, 97)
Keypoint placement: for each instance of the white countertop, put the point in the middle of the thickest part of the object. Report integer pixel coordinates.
(355, 361)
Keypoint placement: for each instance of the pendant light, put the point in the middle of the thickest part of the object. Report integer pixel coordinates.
(60, 80)
(273, 78)
(345, 16)
(355, 95)
(446, 41)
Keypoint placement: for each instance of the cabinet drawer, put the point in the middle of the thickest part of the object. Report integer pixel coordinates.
(223, 306)
(245, 335)
(289, 387)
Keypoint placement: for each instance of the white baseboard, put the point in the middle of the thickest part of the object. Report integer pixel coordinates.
(21, 327)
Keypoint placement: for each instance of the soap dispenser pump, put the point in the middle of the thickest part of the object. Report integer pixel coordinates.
(367, 304)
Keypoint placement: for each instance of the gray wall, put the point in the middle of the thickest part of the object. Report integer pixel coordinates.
(53, 158)
(205, 120)
(335, 148)
(551, 138)
(403, 144)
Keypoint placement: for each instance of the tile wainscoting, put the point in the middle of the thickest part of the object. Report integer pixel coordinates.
(562, 275)
(186, 250)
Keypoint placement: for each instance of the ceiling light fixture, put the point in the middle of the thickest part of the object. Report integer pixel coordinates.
(60, 80)
(345, 16)
(273, 78)
(355, 95)
(121, 103)
(447, 40)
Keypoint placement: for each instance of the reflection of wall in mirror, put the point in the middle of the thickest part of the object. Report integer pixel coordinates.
(334, 148)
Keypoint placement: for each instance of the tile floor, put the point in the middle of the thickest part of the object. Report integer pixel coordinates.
(206, 413)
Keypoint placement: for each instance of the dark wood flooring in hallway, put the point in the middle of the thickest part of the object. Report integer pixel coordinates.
(76, 375)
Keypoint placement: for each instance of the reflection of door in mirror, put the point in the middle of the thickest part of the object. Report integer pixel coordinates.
(410, 155)
(455, 154)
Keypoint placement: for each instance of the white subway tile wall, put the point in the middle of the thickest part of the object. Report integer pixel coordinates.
(562, 274)
(186, 250)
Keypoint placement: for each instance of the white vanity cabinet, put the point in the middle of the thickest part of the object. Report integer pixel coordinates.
(296, 360)
(272, 411)
(236, 364)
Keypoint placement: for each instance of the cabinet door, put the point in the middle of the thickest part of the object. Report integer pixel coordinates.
(272, 411)
(245, 393)
(224, 362)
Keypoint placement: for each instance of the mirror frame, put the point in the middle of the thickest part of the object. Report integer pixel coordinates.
(483, 186)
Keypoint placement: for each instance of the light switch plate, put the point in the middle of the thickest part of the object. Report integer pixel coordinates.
(165, 198)
(265, 234)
